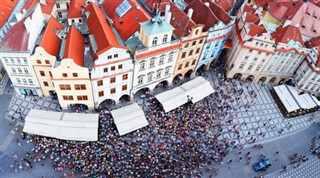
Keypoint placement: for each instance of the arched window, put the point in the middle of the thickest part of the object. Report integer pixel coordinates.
(155, 40)
(196, 32)
(165, 38)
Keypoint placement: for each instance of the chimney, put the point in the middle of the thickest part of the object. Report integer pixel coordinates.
(190, 12)
(207, 4)
(168, 17)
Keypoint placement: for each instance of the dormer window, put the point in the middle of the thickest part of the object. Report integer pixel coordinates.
(315, 31)
(303, 26)
(165, 38)
(308, 13)
(154, 41)
(315, 17)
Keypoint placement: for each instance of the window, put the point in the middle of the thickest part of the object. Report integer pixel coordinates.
(25, 70)
(263, 60)
(170, 57)
(64, 87)
(13, 70)
(154, 41)
(75, 74)
(201, 41)
(246, 57)
(113, 68)
(124, 87)
(190, 52)
(80, 87)
(19, 81)
(68, 97)
(45, 83)
(24, 81)
(183, 55)
(110, 57)
(100, 82)
(161, 60)
(82, 97)
(193, 62)
(120, 66)
(50, 73)
(38, 62)
(255, 59)
(149, 77)
(42, 73)
(47, 61)
(112, 80)
(25, 61)
(58, 5)
(158, 74)
(101, 93)
(142, 66)
(165, 38)
(125, 77)
(19, 61)
(64, 75)
(6, 60)
(12, 61)
(250, 67)
(194, 43)
(196, 32)
(187, 64)
(180, 67)
(115, 55)
(241, 66)
(113, 90)
(259, 52)
(105, 69)
(186, 45)
(140, 80)
(198, 50)
(250, 51)
(152, 63)
(19, 70)
(167, 71)
(30, 81)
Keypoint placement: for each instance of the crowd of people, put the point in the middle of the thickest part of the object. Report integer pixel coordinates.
(176, 143)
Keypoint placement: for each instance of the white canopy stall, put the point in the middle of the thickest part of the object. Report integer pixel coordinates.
(315, 100)
(194, 90)
(67, 126)
(129, 118)
(286, 98)
(307, 100)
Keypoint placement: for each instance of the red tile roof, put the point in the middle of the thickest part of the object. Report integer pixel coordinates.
(225, 4)
(103, 34)
(284, 35)
(220, 13)
(251, 18)
(17, 37)
(247, 8)
(153, 4)
(256, 30)
(29, 4)
(283, 10)
(6, 7)
(47, 8)
(202, 14)
(315, 2)
(50, 41)
(128, 24)
(74, 48)
(75, 9)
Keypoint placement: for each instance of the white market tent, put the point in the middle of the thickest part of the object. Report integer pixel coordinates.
(129, 118)
(195, 90)
(308, 101)
(66, 126)
(315, 100)
(286, 98)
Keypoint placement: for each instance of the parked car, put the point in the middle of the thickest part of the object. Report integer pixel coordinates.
(262, 165)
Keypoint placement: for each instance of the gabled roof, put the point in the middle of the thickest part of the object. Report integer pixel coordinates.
(128, 24)
(179, 20)
(75, 9)
(284, 35)
(17, 38)
(6, 7)
(29, 4)
(251, 18)
(50, 41)
(99, 27)
(225, 4)
(247, 8)
(46, 8)
(256, 30)
(202, 14)
(219, 12)
(315, 43)
(74, 48)
(156, 25)
(283, 10)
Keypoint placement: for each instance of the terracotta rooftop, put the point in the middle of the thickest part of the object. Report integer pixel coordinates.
(128, 24)
(46, 8)
(75, 9)
(202, 14)
(219, 12)
(225, 4)
(6, 7)
(251, 18)
(284, 35)
(179, 20)
(29, 4)
(74, 48)
(17, 38)
(103, 34)
(256, 30)
(283, 10)
(51, 47)
(247, 8)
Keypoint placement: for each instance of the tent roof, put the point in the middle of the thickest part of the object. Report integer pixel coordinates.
(315, 100)
(129, 118)
(286, 98)
(67, 126)
(178, 96)
(307, 100)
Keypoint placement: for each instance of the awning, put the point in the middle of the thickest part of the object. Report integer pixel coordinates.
(286, 98)
(66, 126)
(307, 100)
(129, 118)
(194, 90)
(315, 100)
